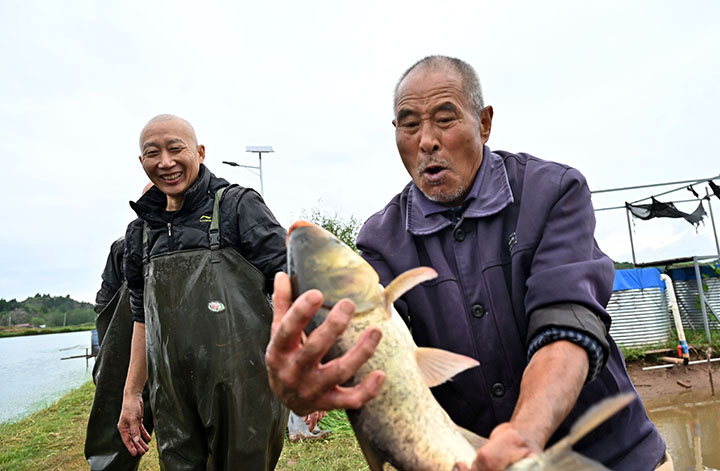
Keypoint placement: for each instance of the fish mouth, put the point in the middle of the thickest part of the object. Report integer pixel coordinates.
(296, 225)
(316, 259)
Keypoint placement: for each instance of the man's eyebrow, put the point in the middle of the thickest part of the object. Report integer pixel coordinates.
(447, 106)
(404, 113)
(148, 144)
(176, 140)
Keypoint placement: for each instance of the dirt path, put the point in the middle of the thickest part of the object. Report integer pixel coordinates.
(651, 384)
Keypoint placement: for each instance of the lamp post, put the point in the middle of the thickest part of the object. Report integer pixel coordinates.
(260, 150)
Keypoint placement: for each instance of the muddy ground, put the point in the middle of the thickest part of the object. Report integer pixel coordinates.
(651, 384)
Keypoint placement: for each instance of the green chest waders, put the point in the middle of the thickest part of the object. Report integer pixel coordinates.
(104, 448)
(208, 323)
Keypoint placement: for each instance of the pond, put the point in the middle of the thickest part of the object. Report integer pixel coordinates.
(690, 424)
(33, 376)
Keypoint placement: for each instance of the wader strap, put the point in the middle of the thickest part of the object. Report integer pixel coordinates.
(215, 223)
(145, 238)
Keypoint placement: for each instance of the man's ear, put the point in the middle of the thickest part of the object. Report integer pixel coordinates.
(394, 123)
(486, 116)
(140, 159)
(201, 152)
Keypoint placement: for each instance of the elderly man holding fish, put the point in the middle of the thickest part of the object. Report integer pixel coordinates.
(521, 288)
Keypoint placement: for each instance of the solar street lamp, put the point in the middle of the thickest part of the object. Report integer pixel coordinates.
(259, 150)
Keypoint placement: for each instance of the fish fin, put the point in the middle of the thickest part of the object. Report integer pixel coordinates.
(596, 415)
(572, 461)
(437, 366)
(473, 438)
(559, 456)
(405, 282)
(374, 458)
(565, 461)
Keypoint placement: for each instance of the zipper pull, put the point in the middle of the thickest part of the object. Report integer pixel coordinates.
(169, 230)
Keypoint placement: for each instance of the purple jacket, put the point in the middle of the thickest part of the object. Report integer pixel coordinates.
(521, 257)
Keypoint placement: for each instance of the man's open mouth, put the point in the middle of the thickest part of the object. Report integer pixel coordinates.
(171, 177)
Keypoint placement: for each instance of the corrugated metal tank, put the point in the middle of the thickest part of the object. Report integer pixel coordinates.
(686, 293)
(642, 317)
(639, 317)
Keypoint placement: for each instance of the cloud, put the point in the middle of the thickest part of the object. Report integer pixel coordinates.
(603, 87)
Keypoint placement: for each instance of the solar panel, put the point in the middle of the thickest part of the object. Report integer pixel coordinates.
(259, 149)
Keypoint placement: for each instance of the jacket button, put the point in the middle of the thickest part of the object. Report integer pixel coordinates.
(459, 234)
(478, 310)
(498, 390)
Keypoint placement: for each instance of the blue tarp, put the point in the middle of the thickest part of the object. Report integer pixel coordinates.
(638, 278)
(688, 273)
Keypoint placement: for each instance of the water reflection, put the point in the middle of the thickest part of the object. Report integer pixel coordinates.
(690, 424)
(32, 376)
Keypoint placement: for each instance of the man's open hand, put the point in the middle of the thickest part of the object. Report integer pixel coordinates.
(295, 371)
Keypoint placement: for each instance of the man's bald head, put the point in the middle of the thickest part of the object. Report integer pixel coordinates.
(171, 157)
(161, 118)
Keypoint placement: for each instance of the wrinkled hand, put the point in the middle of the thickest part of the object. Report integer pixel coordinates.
(506, 445)
(295, 371)
(312, 419)
(131, 427)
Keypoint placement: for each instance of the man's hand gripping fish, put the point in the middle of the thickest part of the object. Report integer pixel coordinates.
(404, 425)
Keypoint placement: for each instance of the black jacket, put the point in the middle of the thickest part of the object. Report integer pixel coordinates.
(246, 224)
(112, 276)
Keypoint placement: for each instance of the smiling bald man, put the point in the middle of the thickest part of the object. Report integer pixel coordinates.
(199, 263)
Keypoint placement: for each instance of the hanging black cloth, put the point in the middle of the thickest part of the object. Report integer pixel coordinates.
(658, 209)
(715, 189)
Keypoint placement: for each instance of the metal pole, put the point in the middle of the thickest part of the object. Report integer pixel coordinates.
(262, 192)
(632, 245)
(654, 184)
(673, 202)
(698, 279)
(712, 219)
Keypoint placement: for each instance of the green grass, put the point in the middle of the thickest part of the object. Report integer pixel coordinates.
(696, 339)
(47, 439)
(53, 439)
(48, 330)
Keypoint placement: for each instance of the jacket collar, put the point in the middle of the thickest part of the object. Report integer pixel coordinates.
(489, 195)
(151, 205)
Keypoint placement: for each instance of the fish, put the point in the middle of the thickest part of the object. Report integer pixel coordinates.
(404, 425)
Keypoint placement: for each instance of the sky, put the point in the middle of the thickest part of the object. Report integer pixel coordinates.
(625, 91)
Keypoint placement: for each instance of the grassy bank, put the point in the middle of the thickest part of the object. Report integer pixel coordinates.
(696, 339)
(53, 439)
(17, 332)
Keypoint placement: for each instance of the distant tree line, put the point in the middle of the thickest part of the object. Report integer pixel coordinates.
(43, 309)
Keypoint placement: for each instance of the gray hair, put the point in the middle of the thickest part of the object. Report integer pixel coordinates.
(470, 81)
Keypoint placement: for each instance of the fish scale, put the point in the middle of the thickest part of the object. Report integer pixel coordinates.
(406, 424)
